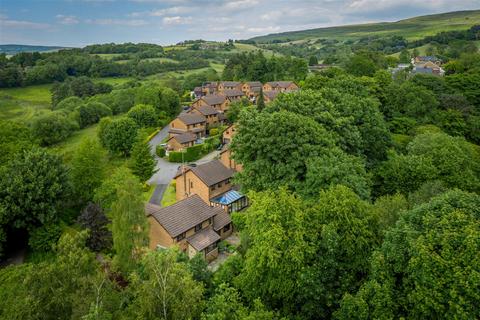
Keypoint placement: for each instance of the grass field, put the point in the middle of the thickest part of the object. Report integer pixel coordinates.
(24, 103)
(413, 28)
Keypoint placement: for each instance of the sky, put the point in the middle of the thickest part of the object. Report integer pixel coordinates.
(81, 22)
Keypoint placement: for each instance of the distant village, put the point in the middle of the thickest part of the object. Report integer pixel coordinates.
(421, 65)
(205, 193)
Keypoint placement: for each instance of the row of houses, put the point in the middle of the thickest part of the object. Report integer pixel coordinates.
(208, 109)
(422, 65)
(249, 89)
(200, 218)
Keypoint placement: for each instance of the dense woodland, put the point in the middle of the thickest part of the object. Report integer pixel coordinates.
(364, 191)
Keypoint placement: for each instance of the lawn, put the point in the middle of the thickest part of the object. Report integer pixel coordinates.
(170, 197)
(114, 80)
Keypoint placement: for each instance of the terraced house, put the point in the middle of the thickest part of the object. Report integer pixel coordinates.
(191, 224)
(217, 101)
(214, 118)
(181, 141)
(185, 122)
(280, 86)
(251, 89)
(229, 85)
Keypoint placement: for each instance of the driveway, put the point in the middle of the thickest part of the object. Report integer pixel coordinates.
(167, 170)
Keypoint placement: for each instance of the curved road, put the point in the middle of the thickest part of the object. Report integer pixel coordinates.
(166, 170)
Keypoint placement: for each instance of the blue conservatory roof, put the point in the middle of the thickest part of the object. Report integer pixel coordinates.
(228, 197)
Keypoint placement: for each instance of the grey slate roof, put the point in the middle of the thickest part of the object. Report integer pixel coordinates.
(254, 83)
(221, 220)
(206, 110)
(213, 99)
(233, 93)
(271, 94)
(230, 83)
(183, 215)
(210, 173)
(203, 239)
(184, 137)
(189, 118)
(280, 84)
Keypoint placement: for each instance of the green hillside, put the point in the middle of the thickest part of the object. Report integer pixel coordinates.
(413, 28)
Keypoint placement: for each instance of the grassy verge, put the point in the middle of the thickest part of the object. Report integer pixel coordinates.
(169, 197)
(147, 194)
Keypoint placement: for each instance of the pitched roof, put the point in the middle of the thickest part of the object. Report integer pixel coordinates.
(281, 84)
(233, 92)
(221, 220)
(254, 83)
(184, 137)
(230, 83)
(210, 173)
(203, 239)
(189, 118)
(271, 94)
(183, 215)
(206, 110)
(212, 99)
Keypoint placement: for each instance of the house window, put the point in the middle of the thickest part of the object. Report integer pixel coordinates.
(198, 227)
(212, 188)
(191, 184)
(226, 228)
(219, 185)
(173, 125)
(210, 247)
(227, 181)
(210, 220)
(180, 237)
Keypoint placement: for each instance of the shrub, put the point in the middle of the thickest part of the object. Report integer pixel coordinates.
(53, 127)
(45, 237)
(144, 115)
(160, 151)
(175, 156)
(69, 104)
(92, 112)
(118, 135)
(194, 153)
(214, 131)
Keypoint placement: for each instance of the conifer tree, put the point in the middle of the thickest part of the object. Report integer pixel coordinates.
(142, 161)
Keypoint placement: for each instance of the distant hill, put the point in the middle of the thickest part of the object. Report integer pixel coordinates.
(411, 29)
(16, 48)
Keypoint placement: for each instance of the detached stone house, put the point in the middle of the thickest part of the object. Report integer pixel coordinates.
(212, 182)
(229, 85)
(219, 102)
(186, 122)
(209, 112)
(251, 89)
(280, 86)
(191, 224)
(181, 141)
(207, 180)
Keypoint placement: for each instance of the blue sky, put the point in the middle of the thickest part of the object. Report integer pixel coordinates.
(82, 22)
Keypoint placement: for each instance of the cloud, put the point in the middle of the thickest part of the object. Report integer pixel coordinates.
(118, 22)
(5, 22)
(240, 4)
(62, 19)
(177, 20)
